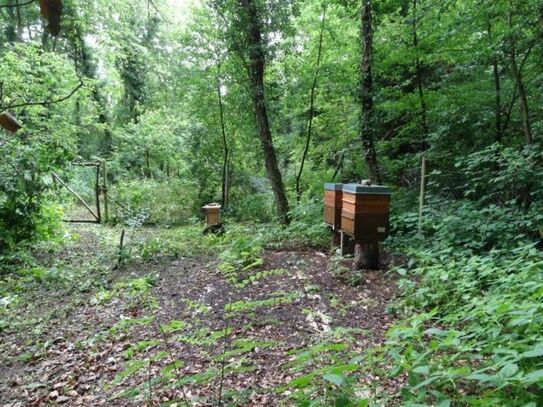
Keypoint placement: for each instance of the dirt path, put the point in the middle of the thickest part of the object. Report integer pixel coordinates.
(157, 329)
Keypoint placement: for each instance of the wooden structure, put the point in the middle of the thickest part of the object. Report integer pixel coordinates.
(364, 213)
(333, 194)
(8, 122)
(359, 212)
(213, 214)
(100, 169)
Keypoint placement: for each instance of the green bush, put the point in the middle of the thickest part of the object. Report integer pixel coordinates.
(146, 201)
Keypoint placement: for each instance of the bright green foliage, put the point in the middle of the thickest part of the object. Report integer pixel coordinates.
(166, 102)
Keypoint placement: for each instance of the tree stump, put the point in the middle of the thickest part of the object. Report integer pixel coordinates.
(366, 255)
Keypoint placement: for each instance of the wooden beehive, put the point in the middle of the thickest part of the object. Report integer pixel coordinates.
(213, 214)
(332, 204)
(8, 122)
(364, 213)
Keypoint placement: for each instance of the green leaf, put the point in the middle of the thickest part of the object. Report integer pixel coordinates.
(536, 352)
(534, 377)
(336, 379)
(302, 381)
(508, 370)
(424, 370)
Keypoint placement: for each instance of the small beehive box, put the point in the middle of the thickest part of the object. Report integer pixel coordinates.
(8, 122)
(364, 213)
(332, 204)
(213, 214)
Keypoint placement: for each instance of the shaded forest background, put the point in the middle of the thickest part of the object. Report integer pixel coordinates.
(256, 103)
(170, 105)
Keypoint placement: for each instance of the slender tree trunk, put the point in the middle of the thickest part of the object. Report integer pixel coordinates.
(147, 164)
(20, 27)
(497, 89)
(498, 102)
(10, 30)
(517, 77)
(367, 128)
(418, 75)
(311, 107)
(256, 78)
(224, 184)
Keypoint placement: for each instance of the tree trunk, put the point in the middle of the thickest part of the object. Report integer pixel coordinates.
(311, 108)
(256, 79)
(367, 125)
(224, 183)
(20, 27)
(10, 30)
(497, 90)
(418, 75)
(517, 77)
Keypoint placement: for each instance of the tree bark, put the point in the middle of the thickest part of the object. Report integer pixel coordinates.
(516, 72)
(367, 125)
(10, 30)
(497, 89)
(257, 62)
(224, 183)
(418, 75)
(311, 107)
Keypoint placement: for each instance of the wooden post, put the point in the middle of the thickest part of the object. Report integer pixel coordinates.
(104, 189)
(97, 192)
(422, 191)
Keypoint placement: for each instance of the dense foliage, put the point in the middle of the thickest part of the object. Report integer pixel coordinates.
(255, 104)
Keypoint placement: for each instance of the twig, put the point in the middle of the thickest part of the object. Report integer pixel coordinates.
(172, 359)
(121, 248)
(157, 10)
(150, 383)
(46, 102)
(223, 361)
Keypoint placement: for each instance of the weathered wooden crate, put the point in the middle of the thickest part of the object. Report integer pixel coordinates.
(365, 211)
(333, 194)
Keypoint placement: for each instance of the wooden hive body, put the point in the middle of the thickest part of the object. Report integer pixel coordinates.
(213, 214)
(365, 212)
(333, 194)
(8, 122)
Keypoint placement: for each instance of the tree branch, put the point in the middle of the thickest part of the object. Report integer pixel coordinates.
(156, 9)
(46, 102)
(17, 5)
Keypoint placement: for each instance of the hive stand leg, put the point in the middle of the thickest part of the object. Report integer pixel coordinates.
(346, 244)
(366, 255)
(336, 238)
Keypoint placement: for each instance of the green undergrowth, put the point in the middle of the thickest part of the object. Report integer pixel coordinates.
(472, 301)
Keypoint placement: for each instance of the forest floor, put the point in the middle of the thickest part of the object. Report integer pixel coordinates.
(160, 329)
